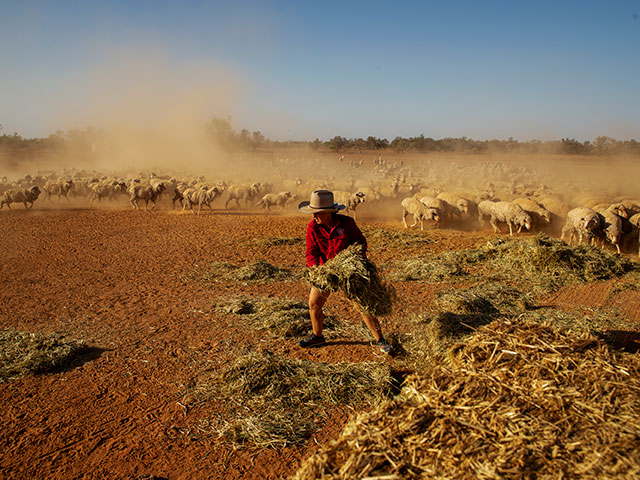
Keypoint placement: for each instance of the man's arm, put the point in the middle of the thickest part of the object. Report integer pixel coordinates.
(313, 250)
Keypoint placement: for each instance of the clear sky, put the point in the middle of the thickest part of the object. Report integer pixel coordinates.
(306, 69)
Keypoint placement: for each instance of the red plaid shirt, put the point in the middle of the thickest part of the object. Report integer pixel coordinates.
(324, 242)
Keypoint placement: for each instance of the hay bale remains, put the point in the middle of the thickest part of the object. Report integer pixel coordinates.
(552, 263)
(23, 353)
(488, 299)
(260, 271)
(595, 321)
(442, 267)
(540, 261)
(517, 400)
(430, 337)
(280, 317)
(427, 269)
(359, 279)
(276, 401)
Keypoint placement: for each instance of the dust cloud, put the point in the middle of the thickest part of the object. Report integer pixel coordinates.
(151, 113)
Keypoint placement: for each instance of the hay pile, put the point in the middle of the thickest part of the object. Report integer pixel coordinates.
(359, 279)
(282, 317)
(274, 401)
(279, 317)
(516, 401)
(441, 267)
(544, 263)
(260, 271)
(488, 299)
(559, 262)
(461, 313)
(23, 353)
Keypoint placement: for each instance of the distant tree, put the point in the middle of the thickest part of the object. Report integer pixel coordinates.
(257, 139)
(222, 132)
(337, 143)
(400, 144)
(572, 146)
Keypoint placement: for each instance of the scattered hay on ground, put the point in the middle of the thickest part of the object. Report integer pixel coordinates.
(278, 241)
(550, 264)
(516, 400)
(275, 401)
(397, 239)
(430, 336)
(442, 267)
(585, 320)
(359, 279)
(544, 263)
(23, 353)
(282, 317)
(462, 312)
(489, 299)
(630, 282)
(279, 317)
(260, 271)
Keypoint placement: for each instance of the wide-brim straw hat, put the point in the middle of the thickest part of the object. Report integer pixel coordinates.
(321, 201)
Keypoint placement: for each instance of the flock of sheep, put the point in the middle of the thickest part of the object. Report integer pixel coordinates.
(449, 194)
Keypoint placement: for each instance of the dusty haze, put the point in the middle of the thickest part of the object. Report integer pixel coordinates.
(152, 116)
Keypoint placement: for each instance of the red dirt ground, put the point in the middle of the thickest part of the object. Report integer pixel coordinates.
(116, 279)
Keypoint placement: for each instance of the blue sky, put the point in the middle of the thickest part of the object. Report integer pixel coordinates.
(307, 69)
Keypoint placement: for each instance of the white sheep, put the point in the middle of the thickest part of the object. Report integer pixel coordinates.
(178, 194)
(556, 206)
(635, 223)
(148, 193)
(581, 221)
(200, 197)
(610, 228)
(106, 189)
(349, 200)
(26, 195)
(443, 208)
(537, 212)
(246, 192)
(458, 206)
(275, 200)
(504, 212)
(420, 212)
(59, 188)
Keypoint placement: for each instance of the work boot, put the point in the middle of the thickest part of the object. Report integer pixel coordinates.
(385, 347)
(311, 341)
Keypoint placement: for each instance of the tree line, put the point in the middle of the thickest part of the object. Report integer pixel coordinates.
(222, 133)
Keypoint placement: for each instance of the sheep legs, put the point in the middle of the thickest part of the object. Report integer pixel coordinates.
(494, 224)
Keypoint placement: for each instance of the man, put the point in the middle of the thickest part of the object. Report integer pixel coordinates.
(328, 234)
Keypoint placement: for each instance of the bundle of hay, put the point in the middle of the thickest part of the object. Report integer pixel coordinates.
(516, 401)
(359, 279)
